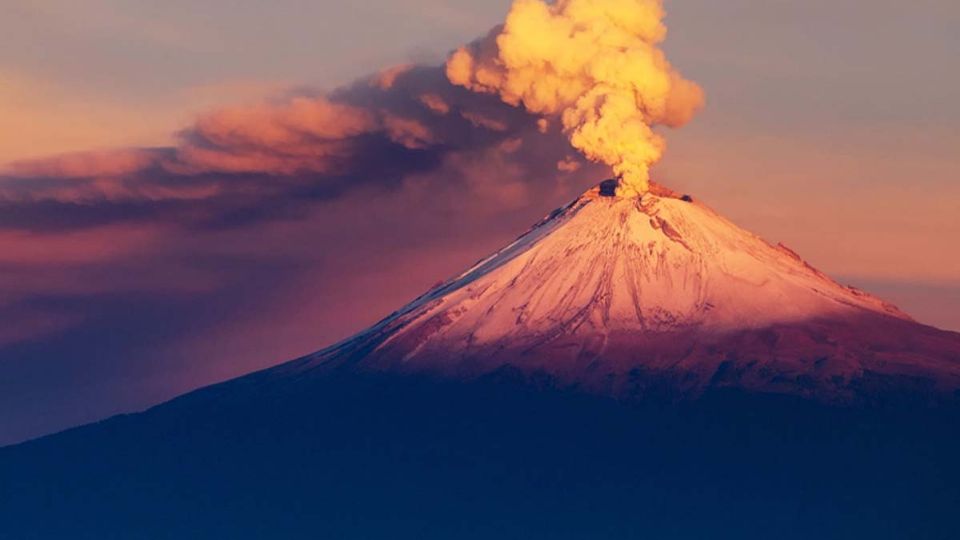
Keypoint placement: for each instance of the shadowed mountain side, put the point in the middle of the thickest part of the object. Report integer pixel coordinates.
(346, 455)
(858, 360)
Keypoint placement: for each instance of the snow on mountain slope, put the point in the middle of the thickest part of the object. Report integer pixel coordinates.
(610, 291)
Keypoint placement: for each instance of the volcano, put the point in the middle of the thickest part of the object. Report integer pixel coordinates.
(630, 367)
(617, 294)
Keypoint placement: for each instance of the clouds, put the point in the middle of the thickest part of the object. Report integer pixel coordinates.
(110, 164)
(301, 135)
(242, 164)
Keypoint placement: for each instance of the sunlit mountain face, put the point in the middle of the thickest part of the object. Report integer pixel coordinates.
(613, 293)
(633, 366)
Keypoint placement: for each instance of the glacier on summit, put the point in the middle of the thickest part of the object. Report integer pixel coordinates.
(612, 292)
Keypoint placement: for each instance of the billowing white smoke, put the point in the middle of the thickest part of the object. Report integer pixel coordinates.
(595, 64)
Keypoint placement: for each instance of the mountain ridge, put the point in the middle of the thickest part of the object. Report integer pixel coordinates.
(607, 287)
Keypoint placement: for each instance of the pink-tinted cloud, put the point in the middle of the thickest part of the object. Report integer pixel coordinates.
(480, 120)
(88, 224)
(108, 163)
(435, 103)
(387, 77)
(301, 135)
(268, 159)
(398, 117)
(409, 133)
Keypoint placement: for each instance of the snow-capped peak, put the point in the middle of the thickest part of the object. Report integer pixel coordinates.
(655, 263)
(610, 284)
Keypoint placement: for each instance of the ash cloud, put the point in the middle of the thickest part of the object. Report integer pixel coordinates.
(271, 160)
(575, 74)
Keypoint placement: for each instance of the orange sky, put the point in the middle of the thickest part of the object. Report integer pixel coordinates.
(831, 126)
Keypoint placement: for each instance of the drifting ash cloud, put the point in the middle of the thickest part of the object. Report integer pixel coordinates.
(581, 73)
(273, 159)
(147, 259)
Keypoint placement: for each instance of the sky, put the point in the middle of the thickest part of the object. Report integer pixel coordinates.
(829, 126)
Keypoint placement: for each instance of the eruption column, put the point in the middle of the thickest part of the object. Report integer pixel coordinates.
(594, 64)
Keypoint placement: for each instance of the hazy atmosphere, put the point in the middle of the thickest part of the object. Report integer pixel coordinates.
(165, 223)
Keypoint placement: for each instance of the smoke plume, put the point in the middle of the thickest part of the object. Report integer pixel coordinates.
(594, 64)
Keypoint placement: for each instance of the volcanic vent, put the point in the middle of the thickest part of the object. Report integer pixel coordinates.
(618, 294)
